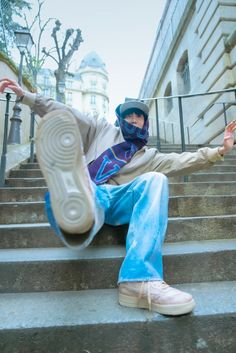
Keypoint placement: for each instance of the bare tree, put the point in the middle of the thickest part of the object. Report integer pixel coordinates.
(36, 61)
(71, 42)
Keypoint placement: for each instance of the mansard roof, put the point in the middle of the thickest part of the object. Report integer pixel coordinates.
(93, 60)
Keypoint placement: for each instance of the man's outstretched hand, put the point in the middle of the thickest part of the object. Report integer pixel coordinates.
(13, 85)
(228, 142)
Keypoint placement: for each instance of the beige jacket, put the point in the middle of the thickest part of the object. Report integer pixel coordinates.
(99, 134)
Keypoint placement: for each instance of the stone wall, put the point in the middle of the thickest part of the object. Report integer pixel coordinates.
(200, 35)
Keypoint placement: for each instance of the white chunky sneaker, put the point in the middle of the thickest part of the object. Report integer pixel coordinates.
(156, 296)
(60, 155)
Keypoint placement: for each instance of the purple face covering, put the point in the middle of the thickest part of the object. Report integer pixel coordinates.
(114, 158)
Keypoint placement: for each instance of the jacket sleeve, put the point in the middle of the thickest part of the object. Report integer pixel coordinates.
(172, 164)
(88, 125)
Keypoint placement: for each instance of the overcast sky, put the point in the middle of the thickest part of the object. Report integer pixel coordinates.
(122, 32)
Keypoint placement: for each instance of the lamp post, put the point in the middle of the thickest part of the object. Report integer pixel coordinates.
(24, 42)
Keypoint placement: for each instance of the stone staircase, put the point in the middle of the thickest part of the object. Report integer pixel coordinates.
(57, 300)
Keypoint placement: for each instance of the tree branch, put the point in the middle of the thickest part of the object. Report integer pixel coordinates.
(69, 33)
(54, 35)
(42, 29)
(49, 55)
(37, 15)
(75, 45)
(26, 21)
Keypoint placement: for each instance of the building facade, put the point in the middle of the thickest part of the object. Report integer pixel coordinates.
(194, 52)
(85, 90)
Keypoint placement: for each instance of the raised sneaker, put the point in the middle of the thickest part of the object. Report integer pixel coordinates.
(156, 296)
(60, 155)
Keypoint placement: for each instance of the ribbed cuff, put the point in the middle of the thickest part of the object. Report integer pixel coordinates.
(29, 99)
(214, 155)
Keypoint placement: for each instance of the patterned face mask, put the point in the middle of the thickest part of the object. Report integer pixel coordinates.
(114, 158)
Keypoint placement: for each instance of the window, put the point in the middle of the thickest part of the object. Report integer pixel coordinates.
(46, 92)
(46, 80)
(93, 84)
(104, 102)
(183, 74)
(168, 103)
(104, 105)
(93, 100)
(69, 84)
(69, 98)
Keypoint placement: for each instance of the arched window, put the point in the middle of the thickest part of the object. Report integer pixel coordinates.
(168, 103)
(183, 74)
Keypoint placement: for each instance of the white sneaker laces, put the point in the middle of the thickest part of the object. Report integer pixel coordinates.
(151, 284)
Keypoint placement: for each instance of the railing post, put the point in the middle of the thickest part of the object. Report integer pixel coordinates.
(188, 134)
(4, 146)
(164, 128)
(157, 127)
(14, 133)
(173, 135)
(225, 117)
(181, 120)
(32, 118)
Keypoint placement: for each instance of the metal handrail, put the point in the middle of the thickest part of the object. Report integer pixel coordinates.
(5, 137)
(180, 109)
(192, 94)
(172, 123)
(225, 108)
(4, 146)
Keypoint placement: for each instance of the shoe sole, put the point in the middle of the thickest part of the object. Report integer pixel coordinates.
(60, 156)
(172, 310)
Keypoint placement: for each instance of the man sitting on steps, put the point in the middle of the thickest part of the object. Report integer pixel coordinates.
(98, 173)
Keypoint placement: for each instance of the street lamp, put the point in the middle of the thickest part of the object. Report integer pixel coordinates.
(24, 42)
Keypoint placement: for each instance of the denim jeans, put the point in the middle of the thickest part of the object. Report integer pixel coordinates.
(141, 203)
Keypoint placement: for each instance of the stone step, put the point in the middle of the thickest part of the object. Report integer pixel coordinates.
(26, 173)
(202, 188)
(37, 173)
(197, 177)
(178, 148)
(203, 177)
(220, 168)
(175, 189)
(28, 235)
(26, 194)
(153, 139)
(232, 154)
(231, 161)
(25, 182)
(58, 269)
(212, 205)
(41, 235)
(93, 322)
(186, 206)
(229, 157)
(29, 166)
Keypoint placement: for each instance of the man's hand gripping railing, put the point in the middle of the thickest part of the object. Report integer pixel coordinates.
(4, 145)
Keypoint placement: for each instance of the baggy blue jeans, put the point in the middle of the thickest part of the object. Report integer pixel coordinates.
(141, 203)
